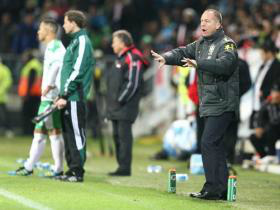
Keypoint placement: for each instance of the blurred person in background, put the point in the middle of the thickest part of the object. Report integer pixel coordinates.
(165, 38)
(230, 137)
(50, 126)
(75, 82)
(267, 75)
(29, 88)
(25, 36)
(187, 26)
(95, 103)
(124, 92)
(5, 84)
(215, 58)
(267, 124)
(7, 31)
(185, 78)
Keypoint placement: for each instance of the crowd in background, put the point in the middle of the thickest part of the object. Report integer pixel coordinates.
(163, 24)
(154, 24)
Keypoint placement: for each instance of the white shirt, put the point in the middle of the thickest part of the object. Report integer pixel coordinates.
(53, 60)
(258, 84)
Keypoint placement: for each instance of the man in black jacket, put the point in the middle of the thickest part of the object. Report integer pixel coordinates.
(266, 77)
(124, 84)
(267, 123)
(215, 58)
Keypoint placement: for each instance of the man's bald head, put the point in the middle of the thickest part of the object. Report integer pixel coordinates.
(210, 22)
(217, 15)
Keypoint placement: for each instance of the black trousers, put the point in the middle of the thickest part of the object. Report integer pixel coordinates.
(73, 128)
(123, 139)
(199, 131)
(213, 152)
(230, 139)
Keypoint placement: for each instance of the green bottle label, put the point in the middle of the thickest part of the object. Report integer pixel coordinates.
(172, 181)
(231, 195)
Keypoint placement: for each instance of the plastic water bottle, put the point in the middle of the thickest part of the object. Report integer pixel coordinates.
(182, 177)
(154, 169)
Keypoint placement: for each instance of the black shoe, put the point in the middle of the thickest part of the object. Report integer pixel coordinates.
(161, 155)
(120, 173)
(69, 173)
(206, 195)
(193, 194)
(183, 156)
(67, 178)
(23, 172)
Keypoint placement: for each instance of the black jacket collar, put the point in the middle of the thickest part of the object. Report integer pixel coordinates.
(216, 35)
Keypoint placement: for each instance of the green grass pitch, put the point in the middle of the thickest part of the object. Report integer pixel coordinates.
(143, 190)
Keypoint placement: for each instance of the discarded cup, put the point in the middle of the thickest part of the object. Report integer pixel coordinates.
(182, 177)
(154, 169)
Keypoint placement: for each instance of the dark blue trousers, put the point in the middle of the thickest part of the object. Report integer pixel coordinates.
(213, 152)
(123, 139)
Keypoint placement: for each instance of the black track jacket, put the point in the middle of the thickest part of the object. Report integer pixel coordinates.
(124, 83)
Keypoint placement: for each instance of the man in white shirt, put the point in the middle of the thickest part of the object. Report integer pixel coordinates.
(51, 126)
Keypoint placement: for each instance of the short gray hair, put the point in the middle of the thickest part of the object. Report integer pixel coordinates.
(124, 36)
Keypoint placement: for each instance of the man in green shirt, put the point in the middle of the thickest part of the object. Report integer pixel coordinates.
(76, 78)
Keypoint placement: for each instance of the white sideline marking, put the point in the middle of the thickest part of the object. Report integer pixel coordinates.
(25, 201)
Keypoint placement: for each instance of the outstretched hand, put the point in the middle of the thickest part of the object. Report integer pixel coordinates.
(158, 58)
(189, 62)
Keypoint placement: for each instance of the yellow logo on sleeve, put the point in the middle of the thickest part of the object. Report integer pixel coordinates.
(229, 46)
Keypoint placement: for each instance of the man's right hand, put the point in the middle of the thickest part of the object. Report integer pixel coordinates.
(159, 58)
(60, 103)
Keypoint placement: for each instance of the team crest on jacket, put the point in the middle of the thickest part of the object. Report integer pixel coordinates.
(229, 47)
(118, 65)
(134, 64)
(211, 50)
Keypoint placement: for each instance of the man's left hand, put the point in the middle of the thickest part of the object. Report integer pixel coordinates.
(189, 62)
(61, 103)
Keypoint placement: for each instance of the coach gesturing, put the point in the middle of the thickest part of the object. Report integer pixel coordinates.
(214, 56)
